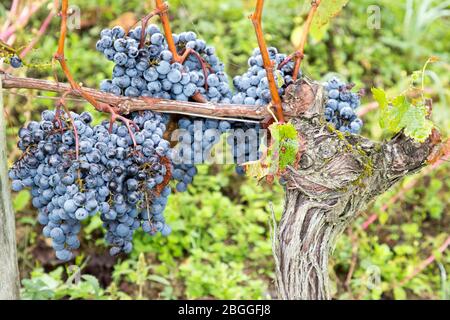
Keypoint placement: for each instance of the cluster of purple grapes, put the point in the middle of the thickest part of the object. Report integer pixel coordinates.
(341, 105)
(196, 139)
(111, 175)
(245, 143)
(149, 70)
(252, 87)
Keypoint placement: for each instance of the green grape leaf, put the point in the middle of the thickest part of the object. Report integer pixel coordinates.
(325, 12)
(257, 169)
(282, 131)
(281, 153)
(296, 35)
(279, 78)
(319, 33)
(398, 113)
(285, 143)
(394, 112)
(380, 96)
(316, 34)
(416, 125)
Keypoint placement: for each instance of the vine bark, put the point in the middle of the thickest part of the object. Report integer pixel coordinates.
(338, 175)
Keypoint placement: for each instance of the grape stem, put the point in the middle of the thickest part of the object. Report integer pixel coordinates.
(163, 12)
(124, 105)
(268, 64)
(144, 22)
(200, 59)
(62, 103)
(298, 55)
(165, 162)
(162, 9)
(59, 56)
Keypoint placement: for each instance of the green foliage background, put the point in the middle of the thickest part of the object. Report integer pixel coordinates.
(220, 246)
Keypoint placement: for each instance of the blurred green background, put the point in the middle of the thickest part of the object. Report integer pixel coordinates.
(220, 245)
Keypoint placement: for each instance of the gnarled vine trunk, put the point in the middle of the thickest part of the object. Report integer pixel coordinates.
(337, 177)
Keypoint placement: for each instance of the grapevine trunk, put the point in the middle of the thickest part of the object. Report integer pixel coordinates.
(338, 176)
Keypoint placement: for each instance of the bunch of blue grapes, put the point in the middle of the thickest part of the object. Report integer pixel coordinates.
(49, 168)
(196, 139)
(133, 173)
(252, 87)
(151, 72)
(245, 143)
(152, 216)
(112, 175)
(341, 105)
